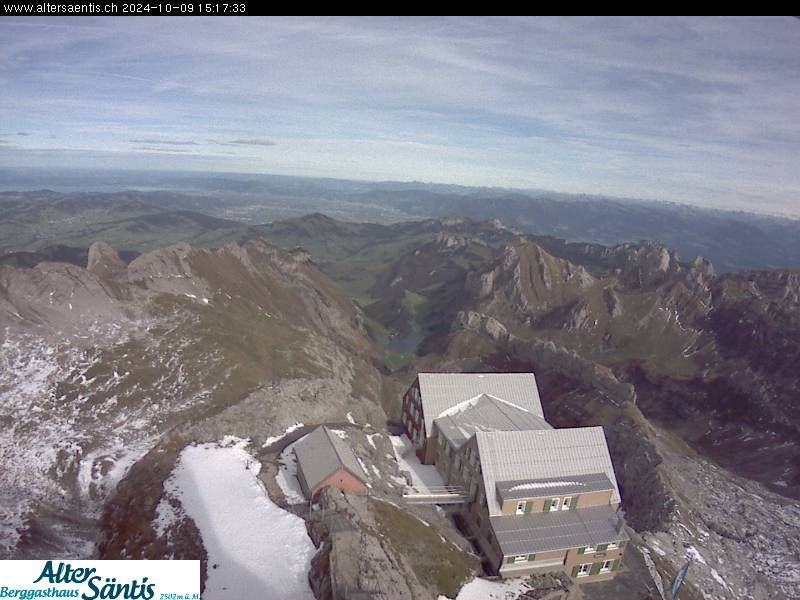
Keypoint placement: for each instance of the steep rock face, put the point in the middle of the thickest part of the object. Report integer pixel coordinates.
(533, 280)
(757, 315)
(104, 261)
(550, 355)
(638, 266)
(613, 303)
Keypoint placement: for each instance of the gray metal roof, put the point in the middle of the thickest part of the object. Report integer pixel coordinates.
(441, 391)
(486, 413)
(540, 454)
(559, 530)
(554, 486)
(322, 453)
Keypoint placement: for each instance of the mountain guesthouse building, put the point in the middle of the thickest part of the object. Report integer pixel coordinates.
(538, 499)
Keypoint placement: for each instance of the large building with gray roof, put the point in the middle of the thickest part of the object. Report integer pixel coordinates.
(537, 498)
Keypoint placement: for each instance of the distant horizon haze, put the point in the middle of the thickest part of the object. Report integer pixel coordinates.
(701, 111)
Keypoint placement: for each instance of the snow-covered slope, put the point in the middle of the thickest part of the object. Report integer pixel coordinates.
(256, 550)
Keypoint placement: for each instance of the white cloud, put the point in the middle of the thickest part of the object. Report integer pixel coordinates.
(698, 110)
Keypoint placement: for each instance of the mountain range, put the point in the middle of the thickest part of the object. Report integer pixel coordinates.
(194, 326)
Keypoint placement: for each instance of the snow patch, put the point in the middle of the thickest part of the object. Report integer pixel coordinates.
(483, 589)
(423, 477)
(274, 438)
(694, 554)
(287, 475)
(256, 550)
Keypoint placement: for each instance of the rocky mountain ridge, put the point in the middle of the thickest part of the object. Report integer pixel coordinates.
(101, 363)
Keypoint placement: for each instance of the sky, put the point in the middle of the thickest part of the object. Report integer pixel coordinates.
(702, 111)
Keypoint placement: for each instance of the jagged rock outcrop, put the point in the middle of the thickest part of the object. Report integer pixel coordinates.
(362, 554)
(104, 261)
(613, 303)
(649, 504)
(531, 279)
(549, 356)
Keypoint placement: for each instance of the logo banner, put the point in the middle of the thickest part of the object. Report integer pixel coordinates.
(100, 579)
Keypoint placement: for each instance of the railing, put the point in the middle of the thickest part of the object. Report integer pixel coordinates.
(533, 564)
(446, 494)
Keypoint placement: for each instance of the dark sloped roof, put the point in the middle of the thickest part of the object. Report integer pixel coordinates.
(558, 530)
(322, 453)
(486, 413)
(554, 486)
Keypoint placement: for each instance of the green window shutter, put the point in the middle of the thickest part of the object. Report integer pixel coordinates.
(574, 504)
(581, 550)
(547, 505)
(510, 560)
(531, 557)
(596, 568)
(575, 571)
(602, 547)
(615, 566)
(622, 544)
(528, 506)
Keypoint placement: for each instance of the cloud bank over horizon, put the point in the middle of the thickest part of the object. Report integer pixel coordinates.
(702, 111)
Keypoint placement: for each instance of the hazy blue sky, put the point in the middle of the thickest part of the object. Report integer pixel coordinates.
(703, 111)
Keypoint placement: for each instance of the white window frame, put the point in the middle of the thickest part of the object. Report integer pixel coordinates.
(520, 558)
(521, 507)
(554, 506)
(606, 569)
(589, 550)
(584, 569)
(566, 502)
(612, 546)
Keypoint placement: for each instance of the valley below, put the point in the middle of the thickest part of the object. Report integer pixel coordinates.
(116, 360)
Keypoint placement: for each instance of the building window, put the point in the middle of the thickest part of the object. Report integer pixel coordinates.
(589, 550)
(521, 507)
(607, 564)
(584, 570)
(520, 558)
(566, 503)
(612, 546)
(555, 504)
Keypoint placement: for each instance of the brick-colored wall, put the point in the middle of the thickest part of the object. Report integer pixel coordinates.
(594, 499)
(343, 480)
(509, 507)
